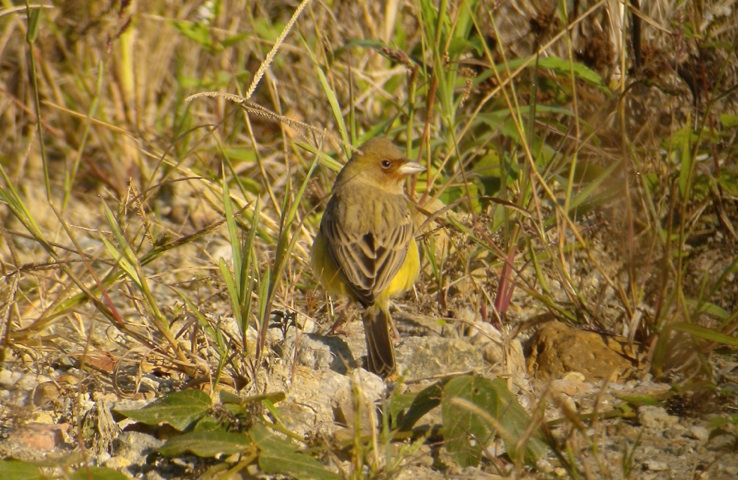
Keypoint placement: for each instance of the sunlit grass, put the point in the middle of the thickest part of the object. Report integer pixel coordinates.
(128, 203)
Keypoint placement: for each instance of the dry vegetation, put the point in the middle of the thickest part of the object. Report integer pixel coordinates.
(582, 168)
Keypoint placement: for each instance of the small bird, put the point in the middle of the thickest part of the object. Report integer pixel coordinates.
(365, 249)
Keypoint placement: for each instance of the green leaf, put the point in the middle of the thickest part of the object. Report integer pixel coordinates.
(729, 121)
(474, 409)
(197, 32)
(424, 402)
(565, 67)
(686, 172)
(274, 397)
(279, 455)
(178, 409)
(560, 67)
(209, 423)
(729, 182)
(235, 39)
(706, 334)
(34, 16)
(708, 308)
(332, 100)
(399, 404)
(96, 473)
(640, 400)
(19, 470)
(206, 444)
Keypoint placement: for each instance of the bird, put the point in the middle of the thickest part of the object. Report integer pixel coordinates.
(365, 248)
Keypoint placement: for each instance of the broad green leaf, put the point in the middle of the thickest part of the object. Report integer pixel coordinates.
(424, 402)
(96, 473)
(210, 423)
(399, 404)
(279, 455)
(178, 409)
(19, 470)
(474, 409)
(206, 444)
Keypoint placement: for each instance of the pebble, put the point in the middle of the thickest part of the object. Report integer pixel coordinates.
(655, 465)
(134, 446)
(656, 417)
(698, 432)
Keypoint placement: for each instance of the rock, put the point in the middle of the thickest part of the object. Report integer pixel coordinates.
(656, 417)
(324, 353)
(346, 405)
(41, 436)
(424, 357)
(326, 399)
(655, 466)
(556, 349)
(501, 351)
(135, 447)
(698, 432)
(572, 385)
(45, 393)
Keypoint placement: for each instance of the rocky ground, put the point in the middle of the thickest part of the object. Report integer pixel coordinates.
(644, 430)
(639, 153)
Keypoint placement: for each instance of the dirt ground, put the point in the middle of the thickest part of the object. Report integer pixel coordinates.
(581, 243)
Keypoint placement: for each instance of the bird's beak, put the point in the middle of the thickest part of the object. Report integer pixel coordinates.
(411, 168)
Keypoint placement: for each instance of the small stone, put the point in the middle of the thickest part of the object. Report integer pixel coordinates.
(344, 404)
(655, 417)
(730, 470)
(102, 457)
(655, 466)
(722, 441)
(8, 379)
(41, 436)
(545, 466)
(45, 393)
(698, 432)
(315, 353)
(571, 387)
(135, 446)
(117, 463)
(29, 382)
(574, 377)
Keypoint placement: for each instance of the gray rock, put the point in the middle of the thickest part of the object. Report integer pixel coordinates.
(656, 417)
(135, 446)
(423, 357)
(698, 432)
(655, 466)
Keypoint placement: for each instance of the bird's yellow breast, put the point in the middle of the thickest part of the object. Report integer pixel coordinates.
(329, 276)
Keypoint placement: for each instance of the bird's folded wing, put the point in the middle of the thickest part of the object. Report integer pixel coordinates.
(368, 261)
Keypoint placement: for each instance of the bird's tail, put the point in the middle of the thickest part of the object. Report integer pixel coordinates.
(380, 351)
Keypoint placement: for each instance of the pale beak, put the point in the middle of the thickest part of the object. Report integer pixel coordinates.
(411, 168)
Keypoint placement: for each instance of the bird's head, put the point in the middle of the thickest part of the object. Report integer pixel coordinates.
(381, 163)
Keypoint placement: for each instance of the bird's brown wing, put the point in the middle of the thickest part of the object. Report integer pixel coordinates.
(368, 248)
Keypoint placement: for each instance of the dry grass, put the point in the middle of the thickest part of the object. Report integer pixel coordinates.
(136, 223)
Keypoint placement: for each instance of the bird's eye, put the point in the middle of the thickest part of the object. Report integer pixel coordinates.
(386, 164)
